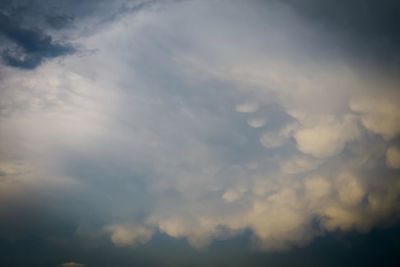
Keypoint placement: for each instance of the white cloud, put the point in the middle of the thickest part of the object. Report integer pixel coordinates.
(247, 107)
(327, 137)
(340, 218)
(129, 235)
(257, 122)
(317, 188)
(235, 194)
(349, 189)
(379, 113)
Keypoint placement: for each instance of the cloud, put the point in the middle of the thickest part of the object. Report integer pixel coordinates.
(131, 235)
(317, 188)
(231, 195)
(257, 122)
(145, 135)
(393, 157)
(363, 28)
(299, 164)
(379, 113)
(272, 139)
(327, 137)
(29, 47)
(249, 107)
(349, 189)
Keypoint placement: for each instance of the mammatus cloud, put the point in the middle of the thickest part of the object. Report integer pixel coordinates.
(202, 120)
(257, 122)
(380, 113)
(327, 137)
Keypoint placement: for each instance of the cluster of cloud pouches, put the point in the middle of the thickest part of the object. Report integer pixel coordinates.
(202, 120)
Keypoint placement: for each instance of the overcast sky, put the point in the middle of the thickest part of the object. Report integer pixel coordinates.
(199, 132)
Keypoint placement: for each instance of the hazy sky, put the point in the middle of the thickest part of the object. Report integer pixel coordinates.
(199, 133)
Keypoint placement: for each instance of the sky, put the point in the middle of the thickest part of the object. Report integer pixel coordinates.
(199, 133)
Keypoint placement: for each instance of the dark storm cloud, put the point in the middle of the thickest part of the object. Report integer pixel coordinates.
(59, 22)
(330, 251)
(63, 14)
(28, 26)
(28, 48)
(366, 26)
(364, 17)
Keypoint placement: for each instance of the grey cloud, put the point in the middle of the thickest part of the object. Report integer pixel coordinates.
(370, 29)
(365, 18)
(31, 26)
(59, 22)
(29, 47)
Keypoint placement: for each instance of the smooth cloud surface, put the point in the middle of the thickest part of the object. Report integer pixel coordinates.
(201, 120)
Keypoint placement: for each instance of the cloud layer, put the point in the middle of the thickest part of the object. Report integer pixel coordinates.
(200, 120)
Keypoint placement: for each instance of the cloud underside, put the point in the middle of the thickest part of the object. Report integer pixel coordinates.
(203, 120)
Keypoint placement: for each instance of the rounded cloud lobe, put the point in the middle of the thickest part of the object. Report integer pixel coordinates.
(205, 128)
(393, 157)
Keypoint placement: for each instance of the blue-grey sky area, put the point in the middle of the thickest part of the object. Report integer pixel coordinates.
(199, 133)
